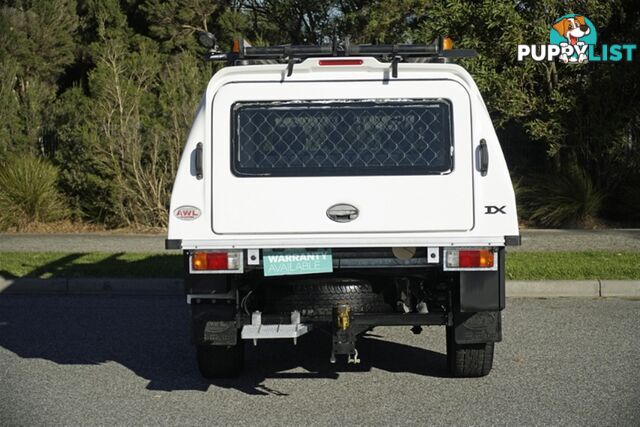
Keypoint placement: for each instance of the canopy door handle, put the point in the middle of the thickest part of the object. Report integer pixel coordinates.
(198, 160)
(483, 155)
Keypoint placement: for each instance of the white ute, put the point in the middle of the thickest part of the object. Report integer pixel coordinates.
(341, 188)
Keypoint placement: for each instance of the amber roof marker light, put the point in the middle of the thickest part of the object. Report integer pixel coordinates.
(447, 43)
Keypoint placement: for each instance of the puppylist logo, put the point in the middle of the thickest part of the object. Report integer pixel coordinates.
(572, 39)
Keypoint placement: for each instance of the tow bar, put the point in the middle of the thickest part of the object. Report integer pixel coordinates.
(344, 337)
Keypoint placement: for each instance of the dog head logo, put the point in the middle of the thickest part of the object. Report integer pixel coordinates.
(573, 29)
(576, 31)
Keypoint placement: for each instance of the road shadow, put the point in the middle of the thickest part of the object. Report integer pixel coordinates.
(149, 336)
(309, 360)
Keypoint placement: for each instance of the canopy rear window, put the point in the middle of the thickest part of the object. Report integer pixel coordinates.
(341, 138)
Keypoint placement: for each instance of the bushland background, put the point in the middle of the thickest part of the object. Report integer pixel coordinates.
(96, 98)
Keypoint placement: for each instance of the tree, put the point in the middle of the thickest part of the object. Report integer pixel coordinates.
(107, 88)
(36, 44)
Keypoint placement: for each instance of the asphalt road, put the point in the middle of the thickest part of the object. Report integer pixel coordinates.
(532, 240)
(127, 360)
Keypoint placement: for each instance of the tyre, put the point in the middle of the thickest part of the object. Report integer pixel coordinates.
(318, 296)
(468, 360)
(219, 361)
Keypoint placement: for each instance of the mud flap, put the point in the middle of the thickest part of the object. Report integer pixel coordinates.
(483, 290)
(476, 328)
(213, 325)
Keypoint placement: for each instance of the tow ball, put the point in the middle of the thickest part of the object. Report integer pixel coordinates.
(344, 338)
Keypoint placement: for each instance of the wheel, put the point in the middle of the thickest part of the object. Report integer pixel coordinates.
(468, 360)
(318, 296)
(219, 361)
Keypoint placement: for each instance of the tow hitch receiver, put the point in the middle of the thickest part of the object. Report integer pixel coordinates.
(344, 337)
(257, 331)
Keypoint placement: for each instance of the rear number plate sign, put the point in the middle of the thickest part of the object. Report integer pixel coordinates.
(297, 261)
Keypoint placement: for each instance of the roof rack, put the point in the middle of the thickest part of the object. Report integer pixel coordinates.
(438, 51)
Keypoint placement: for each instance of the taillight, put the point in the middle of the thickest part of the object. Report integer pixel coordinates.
(470, 259)
(324, 62)
(216, 262)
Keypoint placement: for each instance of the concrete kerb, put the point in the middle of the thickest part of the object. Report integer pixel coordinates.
(553, 288)
(161, 286)
(620, 288)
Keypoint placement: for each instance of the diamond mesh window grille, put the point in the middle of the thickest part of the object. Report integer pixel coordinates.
(342, 138)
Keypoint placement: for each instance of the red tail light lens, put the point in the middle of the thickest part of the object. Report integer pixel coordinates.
(217, 261)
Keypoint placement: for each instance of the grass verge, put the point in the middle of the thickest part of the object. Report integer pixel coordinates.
(573, 265)
(520, 265)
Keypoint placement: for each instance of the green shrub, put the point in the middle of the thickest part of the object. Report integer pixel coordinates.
(28, 192)
(562, 200)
